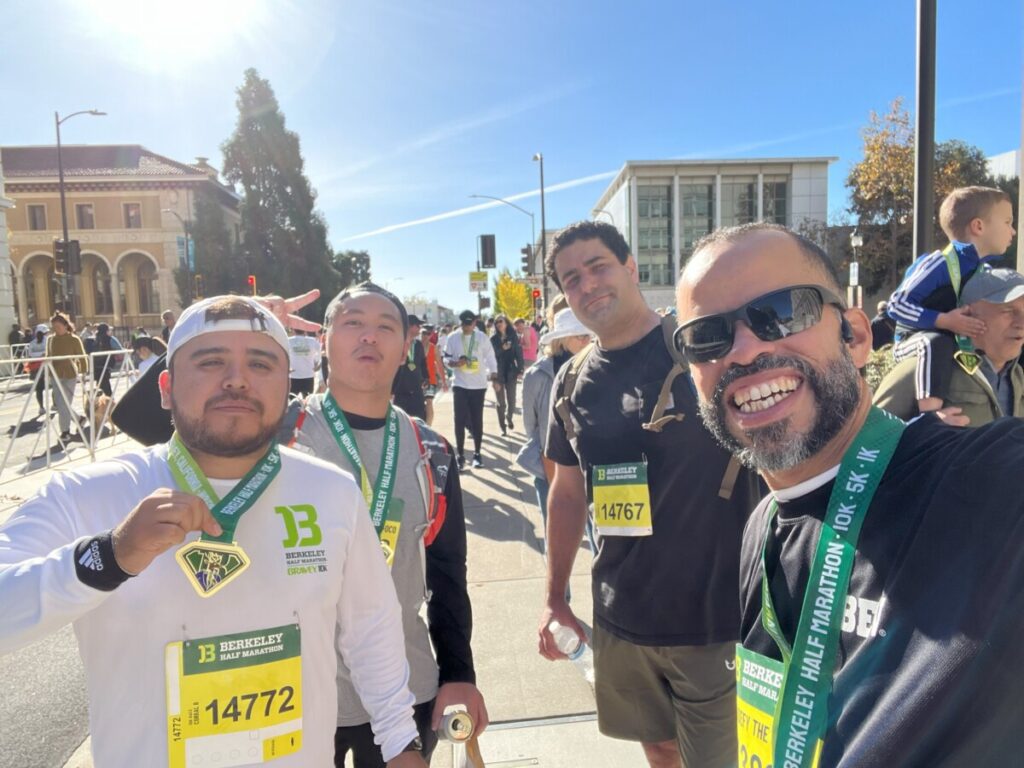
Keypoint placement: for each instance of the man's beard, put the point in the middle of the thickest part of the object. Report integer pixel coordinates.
(774, 448)
(197, 435)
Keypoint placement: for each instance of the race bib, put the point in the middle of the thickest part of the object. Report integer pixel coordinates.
(622, 501)
(472, 365)
(758, 682)
(392, 527)
(234, 699)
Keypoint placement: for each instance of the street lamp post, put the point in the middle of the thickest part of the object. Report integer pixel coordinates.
(539, 157)
(188, 263)
(69, 296)
(533, 223)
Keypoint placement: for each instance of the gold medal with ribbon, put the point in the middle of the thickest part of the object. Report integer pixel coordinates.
(213, 562)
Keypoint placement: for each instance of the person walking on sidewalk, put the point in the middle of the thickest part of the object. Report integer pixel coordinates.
(36, 349)
(437, 379)
(239, 630)
(103, 366)
(509, 356)
(528, 340)
(469, 354)
(411, 378)
(62, 341)
(669, 507)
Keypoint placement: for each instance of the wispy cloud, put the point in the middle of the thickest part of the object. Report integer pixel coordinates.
(450, 130)
(484, 206)
(976, 97)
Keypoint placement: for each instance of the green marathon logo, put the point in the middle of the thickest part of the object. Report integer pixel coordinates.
(301, 531)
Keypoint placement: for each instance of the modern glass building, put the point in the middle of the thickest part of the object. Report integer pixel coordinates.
(663, 207)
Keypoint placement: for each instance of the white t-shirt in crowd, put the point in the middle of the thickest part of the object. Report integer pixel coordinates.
(304, 356)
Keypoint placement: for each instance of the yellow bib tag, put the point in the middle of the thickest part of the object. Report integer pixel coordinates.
(622, 501)
(472, 365)
(758, 682)
(234, 699)
(389, 539)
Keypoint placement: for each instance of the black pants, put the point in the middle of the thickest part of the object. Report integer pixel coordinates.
(302, 386)
(358, 739)
(102, 376)
(505, 392)
(469, 412)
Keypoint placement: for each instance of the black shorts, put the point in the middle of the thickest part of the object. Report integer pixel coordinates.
(302, 386)
(358, 739)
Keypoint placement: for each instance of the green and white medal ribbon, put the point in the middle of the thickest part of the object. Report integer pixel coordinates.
(801, 710)
(211, 562)
(966, 356)
(378, 498)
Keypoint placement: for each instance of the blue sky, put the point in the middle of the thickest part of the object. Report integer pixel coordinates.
(405, 109)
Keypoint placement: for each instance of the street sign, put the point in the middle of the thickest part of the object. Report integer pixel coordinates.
(534, 281)
(478, 281)
(484, 303)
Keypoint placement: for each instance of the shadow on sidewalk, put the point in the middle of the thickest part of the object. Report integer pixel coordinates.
(499, 521)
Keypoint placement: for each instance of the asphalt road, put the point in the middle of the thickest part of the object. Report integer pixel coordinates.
(43, 710)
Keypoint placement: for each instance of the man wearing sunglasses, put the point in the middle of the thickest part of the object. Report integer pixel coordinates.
(668, 512)
(881, 580)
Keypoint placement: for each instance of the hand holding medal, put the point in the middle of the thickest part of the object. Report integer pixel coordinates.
(160, 521)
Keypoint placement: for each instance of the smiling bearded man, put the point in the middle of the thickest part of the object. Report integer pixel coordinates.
(882, 580)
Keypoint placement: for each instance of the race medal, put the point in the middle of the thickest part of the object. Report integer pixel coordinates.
(758, 682)
(212, 562)
(234, 699)
(622, 501)
(472, 365)
(969, 361)
(210, 565)
(411, 366)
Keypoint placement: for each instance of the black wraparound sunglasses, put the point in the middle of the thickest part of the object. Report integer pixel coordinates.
(770, 317)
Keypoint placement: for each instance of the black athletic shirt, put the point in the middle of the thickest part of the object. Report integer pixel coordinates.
(931, 653)
(678, 586)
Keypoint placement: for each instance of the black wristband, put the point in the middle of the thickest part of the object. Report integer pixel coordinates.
(95, 563)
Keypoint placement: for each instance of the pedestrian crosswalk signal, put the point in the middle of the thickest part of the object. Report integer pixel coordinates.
(74, 256)
(252, 284)
(60, 257)
(199, 286)
(487, 253)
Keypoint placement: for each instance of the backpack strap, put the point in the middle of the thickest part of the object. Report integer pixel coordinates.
(435, 458)
(572, 373)
(658, 417)
(294, 415)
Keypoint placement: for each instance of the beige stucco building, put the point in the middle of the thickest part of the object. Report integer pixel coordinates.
(121, 202)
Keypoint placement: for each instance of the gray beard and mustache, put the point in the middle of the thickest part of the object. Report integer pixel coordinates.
(197, 436)
(775, 448)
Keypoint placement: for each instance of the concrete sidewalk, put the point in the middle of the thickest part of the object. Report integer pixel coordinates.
(542, 713)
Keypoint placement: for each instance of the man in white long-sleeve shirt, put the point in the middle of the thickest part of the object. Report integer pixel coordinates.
(470, 355)
(222, 652)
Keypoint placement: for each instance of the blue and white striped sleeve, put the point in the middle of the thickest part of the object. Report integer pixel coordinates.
(924, 277)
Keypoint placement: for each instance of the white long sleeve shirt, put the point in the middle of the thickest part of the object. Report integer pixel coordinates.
(345, 603)
(477, 346)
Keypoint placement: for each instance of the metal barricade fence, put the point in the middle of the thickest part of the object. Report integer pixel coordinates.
(27, 426)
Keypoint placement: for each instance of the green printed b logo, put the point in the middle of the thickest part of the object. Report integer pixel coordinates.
(300, 517)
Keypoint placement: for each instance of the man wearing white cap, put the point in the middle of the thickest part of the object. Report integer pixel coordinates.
(224, 653)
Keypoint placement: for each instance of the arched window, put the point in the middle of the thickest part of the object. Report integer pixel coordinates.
(101, 289)
(149, 298)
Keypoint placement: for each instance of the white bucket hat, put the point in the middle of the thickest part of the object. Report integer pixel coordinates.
(566, 325)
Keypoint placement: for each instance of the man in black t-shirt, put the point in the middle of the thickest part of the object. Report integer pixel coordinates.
(915, 658)
(411, 378)
(668, 511)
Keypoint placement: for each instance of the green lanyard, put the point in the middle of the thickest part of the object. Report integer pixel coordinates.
(468, 353)
(966, 355)
(378, 499)
(229, 510)
(800, 712)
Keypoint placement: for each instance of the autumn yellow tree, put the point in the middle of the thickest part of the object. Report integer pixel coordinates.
(881, 188)
(510, 297)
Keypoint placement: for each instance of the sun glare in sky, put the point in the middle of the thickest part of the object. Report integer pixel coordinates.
(169, 35)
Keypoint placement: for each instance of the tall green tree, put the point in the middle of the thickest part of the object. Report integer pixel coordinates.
(284, 238)
(215, 255)
(881, 188)
(511, 297)
(352, 267)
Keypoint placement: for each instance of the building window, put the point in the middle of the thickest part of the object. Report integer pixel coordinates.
(696, 213)
(36, 217)
(101, 289)
(774, 199)
(149, 299)
(654, 233)
(84, 216)
(739, 200)
(132, 216)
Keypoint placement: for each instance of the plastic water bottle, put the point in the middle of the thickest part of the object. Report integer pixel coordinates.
(566, 640)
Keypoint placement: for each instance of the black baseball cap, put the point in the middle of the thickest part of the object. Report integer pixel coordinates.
(467, 316)
(413, 320)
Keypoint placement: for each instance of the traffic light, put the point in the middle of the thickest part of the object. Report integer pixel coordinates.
(74, 253)
(487, 253)
(199, 286)
(60, 257)
(527, 260)
(252, 284)
(536, 298)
